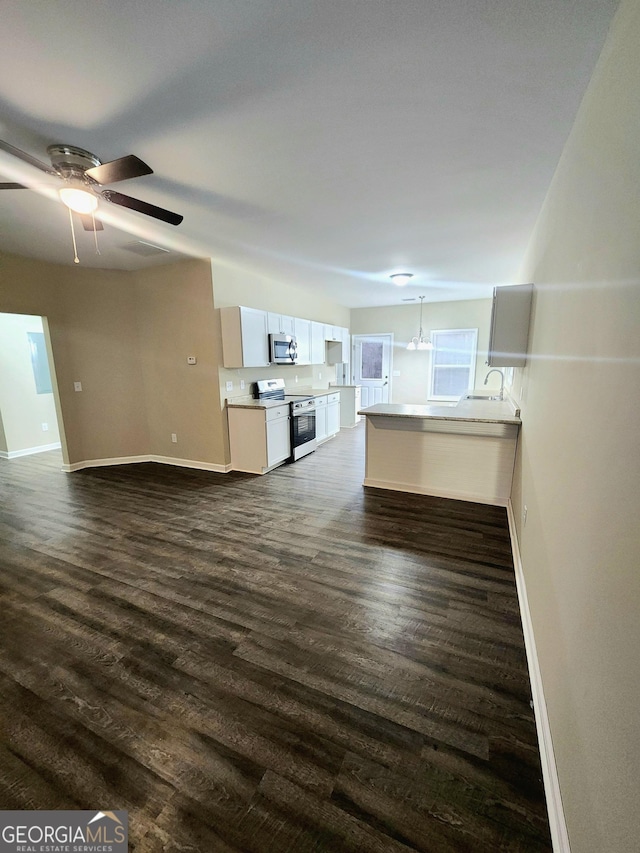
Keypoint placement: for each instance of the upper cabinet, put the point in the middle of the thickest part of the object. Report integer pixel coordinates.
(245, 337)
(318, 354)
(346, 346)
(332, 333)
(338, 345)
(280, 324)
(510, 325)
(302, 331)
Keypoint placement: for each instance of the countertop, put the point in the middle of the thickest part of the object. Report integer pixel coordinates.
(480, 411)
(250, 403)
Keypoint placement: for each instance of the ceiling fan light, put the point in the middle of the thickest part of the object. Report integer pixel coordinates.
(401, 278)
(81, 201)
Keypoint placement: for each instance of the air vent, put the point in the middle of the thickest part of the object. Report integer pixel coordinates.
(410, 299)
(139, 247)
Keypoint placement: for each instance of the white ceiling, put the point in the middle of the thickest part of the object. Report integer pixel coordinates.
(324, 142)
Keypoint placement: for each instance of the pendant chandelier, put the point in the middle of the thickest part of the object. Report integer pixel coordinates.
(419, 341)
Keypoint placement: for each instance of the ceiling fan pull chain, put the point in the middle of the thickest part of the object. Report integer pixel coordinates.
(95, 232)
(76, 259)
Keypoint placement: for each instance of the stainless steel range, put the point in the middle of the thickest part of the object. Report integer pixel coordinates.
(303, 414)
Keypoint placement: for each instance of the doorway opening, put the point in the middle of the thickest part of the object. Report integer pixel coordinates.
(29, 406)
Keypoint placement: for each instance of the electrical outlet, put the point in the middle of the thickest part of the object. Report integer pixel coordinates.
(242, 384)
(45, 427)
(320, 374)
(174, 438)
(191, 359)
(229, 386)
(524, 515)
(77, 386)
(296, 379)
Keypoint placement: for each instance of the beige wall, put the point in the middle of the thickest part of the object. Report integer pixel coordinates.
(412, 386)
(92, 327)
(234, 286)
(176, 319)
(23, 410)
(123, 336)
(578, 471)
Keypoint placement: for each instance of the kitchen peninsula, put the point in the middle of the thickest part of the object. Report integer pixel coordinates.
(466, 451)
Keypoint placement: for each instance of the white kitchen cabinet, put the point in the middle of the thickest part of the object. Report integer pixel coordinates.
(332, 333)
(278, 423)
(245, 341)
(333, 414)
(349, 405)
(338, 345)
(318, 353)
(509, 332)
(280, 324)
(302, 331)
(321, 419)
(259, 438)
(346, 346)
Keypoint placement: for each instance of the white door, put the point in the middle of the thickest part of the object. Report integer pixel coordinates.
(372, 367)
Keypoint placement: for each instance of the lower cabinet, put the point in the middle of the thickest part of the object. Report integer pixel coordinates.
(349, 405)
(321, 419)
(259, 438)
(327, 416)
(333, 414)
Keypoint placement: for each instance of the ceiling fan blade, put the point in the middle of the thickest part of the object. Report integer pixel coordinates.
(11, 186)
(119, 170)
(142, 207)
(22, 155)
(87, 223)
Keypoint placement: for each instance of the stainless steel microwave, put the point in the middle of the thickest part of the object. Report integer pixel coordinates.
(283, 349)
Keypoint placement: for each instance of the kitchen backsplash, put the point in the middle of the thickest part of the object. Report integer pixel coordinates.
(309, 376)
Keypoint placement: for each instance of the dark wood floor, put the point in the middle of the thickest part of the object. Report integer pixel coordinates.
(278, 663)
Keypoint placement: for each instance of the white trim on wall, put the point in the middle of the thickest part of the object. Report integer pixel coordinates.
(557, 823)
(41, 448)
(162, 460)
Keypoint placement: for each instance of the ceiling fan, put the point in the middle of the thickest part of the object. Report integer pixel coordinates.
(83, 173)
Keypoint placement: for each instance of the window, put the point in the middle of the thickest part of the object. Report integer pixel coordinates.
(453, 363)
(372, 360)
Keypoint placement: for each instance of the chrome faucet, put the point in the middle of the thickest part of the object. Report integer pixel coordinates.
(495, 370)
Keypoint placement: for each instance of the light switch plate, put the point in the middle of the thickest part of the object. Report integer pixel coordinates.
(77, 386)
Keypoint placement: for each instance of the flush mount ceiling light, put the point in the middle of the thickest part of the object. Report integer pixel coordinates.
(401, 278)
(420, 342)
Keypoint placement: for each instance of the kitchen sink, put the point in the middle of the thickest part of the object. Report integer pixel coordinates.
(481, 397)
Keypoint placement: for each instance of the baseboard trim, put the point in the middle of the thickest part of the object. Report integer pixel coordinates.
(162, 460)
(436, 493)
(29, 451)
(557, 823)
(214, 467)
